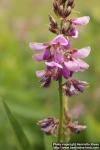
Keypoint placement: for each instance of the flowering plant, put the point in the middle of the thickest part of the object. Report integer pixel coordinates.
(62, 61)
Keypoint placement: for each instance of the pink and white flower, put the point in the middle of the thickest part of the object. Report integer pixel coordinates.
(81, 21)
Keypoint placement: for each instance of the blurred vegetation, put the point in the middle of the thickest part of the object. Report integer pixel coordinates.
(24, 21)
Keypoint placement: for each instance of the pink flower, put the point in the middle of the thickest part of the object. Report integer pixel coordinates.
(61, 40)
(45, 47)
(82, 53)
(75, 64)
(78, 22)
(81, 21)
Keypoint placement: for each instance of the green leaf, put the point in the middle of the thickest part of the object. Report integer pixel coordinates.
(17, 129)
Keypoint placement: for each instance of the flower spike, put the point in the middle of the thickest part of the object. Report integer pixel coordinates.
(61, 60)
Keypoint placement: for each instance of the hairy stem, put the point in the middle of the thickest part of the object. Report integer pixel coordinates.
(61, 115)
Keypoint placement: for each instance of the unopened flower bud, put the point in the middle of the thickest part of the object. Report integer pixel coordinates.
(49, 125)
(61, 10)
(63, 1)
(65, 27)
(55, 7)
(53, 30)
(70, 3)
(67, 11)
(53, 22)
(53, 25)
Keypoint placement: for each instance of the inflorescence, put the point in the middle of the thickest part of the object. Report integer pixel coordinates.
(62, 60)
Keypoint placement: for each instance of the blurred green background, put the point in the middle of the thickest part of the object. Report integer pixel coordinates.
(22, 21)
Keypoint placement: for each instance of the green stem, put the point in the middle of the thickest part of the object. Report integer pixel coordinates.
(60, 130)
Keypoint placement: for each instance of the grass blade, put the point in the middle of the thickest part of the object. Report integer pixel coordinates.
(17, 129)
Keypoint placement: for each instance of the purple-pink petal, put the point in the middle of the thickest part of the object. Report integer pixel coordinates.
(61, 40)
(38, 57)
(72, 65)
(82, 65)
(65, 73)
(76, 65)
(55, 55)
(59, 57)
(47, 54)
(40, 73)
(81, 21)
(37, 46)
(53, 64)
(82, 53)
(75, 33)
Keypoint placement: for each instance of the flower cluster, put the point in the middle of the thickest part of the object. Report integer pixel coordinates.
(62, 60)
